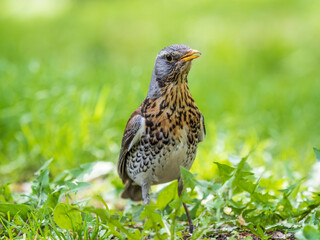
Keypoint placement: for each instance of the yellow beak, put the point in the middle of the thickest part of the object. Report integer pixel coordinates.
(192, 54)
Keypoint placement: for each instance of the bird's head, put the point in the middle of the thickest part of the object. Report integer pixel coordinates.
(172, 66)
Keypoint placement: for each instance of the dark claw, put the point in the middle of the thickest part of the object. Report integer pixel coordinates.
(191, 227)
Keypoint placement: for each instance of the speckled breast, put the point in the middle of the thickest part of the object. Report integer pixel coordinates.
(169, 141)
(159, 160)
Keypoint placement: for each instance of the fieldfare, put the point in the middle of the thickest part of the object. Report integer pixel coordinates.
(163, 133)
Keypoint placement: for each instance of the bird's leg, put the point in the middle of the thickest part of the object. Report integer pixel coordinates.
(145, 193)
(180, 188)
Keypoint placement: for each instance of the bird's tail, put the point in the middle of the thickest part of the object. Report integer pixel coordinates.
(132, 191)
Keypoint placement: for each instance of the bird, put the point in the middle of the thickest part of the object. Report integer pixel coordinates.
(164, 132)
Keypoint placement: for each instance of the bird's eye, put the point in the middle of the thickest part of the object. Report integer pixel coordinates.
(169, 58)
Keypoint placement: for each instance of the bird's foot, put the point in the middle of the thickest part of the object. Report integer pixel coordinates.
(191, 228)
(146, 201)
(145, 193)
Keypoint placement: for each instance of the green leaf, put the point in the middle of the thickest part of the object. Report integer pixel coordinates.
(293, 189)
(154, 218)
(5, 194)
(153, 222)
(40, 186)
(102, 213)
(44, 167)
(257, 230)
(225, 171)
(311, 233)
(74, 186)
(176, 204)
(100, 198)
(317, 153)
(188, 179)
(21, 209)
(262, 197)
(67, 217)
(51, 202)
(76, 173)
(245, 185)
(169, 193)
(241, 165)
(113, 223)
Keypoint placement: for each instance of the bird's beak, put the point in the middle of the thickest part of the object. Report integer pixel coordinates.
(192, 54)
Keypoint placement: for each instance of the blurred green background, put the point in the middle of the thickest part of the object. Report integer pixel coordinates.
(72, 72)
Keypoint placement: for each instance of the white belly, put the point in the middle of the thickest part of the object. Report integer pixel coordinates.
(167, 167)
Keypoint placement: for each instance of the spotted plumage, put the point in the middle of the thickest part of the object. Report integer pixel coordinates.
(163, 133)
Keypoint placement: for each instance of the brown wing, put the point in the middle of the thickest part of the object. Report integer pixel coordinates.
(202, 129)
(132, 134)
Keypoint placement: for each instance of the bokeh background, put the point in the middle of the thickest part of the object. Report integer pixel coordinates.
(72, 72)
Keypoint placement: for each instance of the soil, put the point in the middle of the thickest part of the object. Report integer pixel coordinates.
(275, 235)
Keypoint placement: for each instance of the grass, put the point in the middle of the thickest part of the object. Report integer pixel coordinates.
(235, 203)
(72, 72)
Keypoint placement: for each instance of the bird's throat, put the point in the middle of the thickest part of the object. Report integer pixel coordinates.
(173, 103)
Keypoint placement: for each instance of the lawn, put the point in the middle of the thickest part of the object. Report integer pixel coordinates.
(72, 72)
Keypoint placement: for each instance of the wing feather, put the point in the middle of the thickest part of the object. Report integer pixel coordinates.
(202, 129)
(131, 136)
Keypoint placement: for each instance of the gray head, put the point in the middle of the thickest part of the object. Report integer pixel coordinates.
(171, 67)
